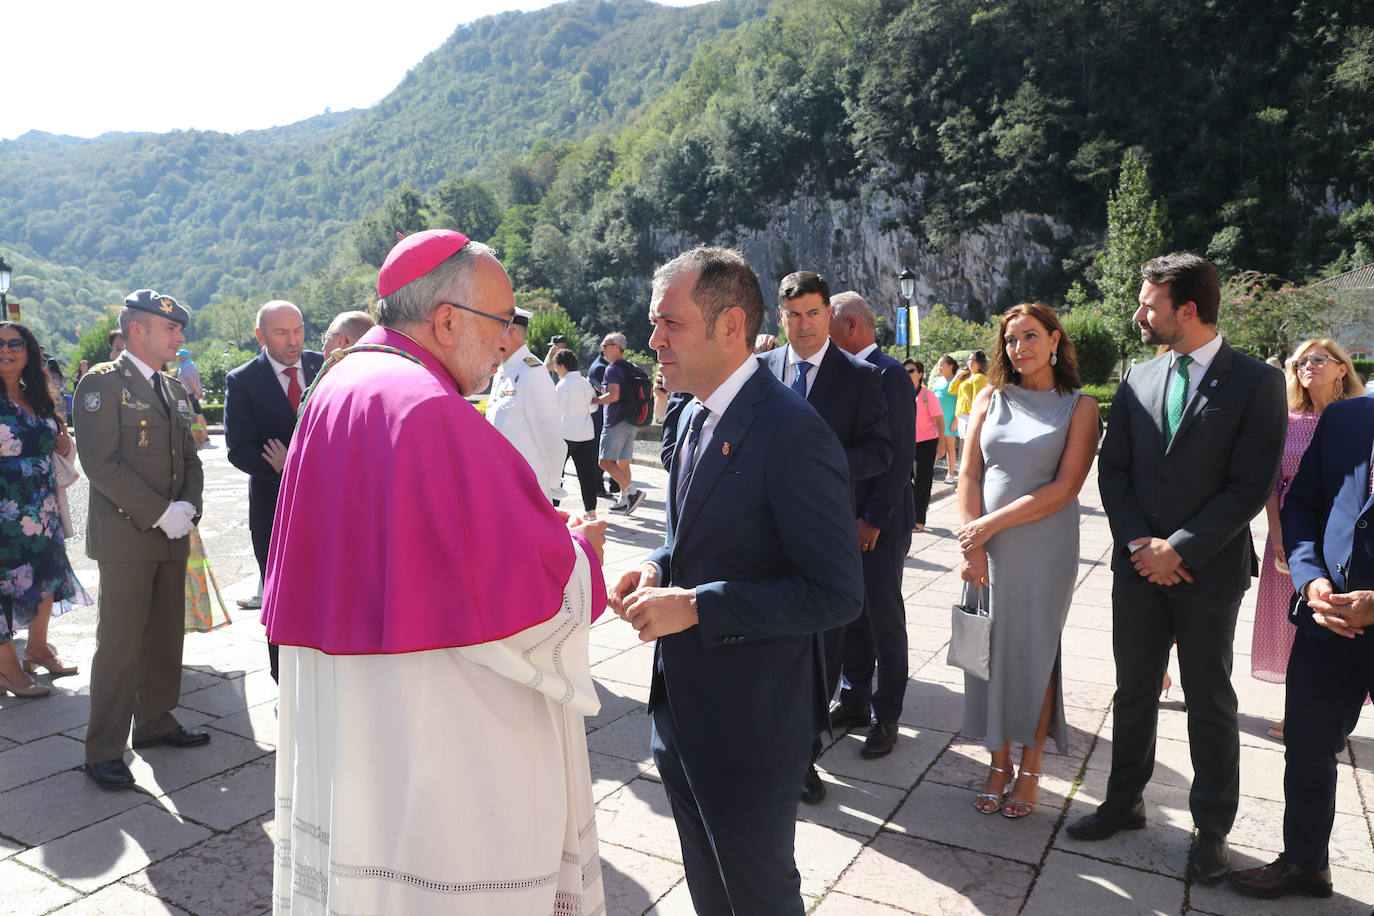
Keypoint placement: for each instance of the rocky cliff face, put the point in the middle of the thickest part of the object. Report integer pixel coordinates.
(848, 244)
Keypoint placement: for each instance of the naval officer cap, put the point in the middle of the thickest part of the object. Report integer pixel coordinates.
(522, 317)
(145, 300)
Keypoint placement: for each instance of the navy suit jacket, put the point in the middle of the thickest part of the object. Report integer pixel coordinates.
(886, 501)
(1200, 490)
(767, 540)
(1327, 514)
(256, 410)
(848, 394)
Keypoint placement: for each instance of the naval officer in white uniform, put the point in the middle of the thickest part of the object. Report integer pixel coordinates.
(524, 408)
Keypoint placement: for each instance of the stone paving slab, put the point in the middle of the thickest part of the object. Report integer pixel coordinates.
(103, 853)
(896, 835)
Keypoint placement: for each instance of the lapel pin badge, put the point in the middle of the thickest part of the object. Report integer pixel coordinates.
(725, 449)
(1214, 383)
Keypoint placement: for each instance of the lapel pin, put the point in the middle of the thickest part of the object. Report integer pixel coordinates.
(725, 449)
(1214, 383)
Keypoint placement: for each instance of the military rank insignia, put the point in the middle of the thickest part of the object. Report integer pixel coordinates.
(164, 305)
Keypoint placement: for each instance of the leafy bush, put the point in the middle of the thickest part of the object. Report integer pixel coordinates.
(547, 322)
(1094, 343)
(1104, 395)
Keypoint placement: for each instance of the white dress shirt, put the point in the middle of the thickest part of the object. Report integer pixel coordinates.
(1202, 358)
(789, 371)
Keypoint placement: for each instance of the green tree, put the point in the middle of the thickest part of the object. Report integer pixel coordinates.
(545, 324)
(943, 333)
(1265, 316)
(233, 318)
(1094, 343)
(1137, 230)
(468, 205)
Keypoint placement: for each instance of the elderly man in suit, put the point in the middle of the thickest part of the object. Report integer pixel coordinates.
(1190, 456)
(887, 513)
(261, 398)
(747, 578)
(848, 394)
(139, 453)
(1330, 547)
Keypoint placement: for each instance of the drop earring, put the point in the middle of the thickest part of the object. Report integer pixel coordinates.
(1054, 358)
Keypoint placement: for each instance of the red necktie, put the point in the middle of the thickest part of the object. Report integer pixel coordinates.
(293, 387)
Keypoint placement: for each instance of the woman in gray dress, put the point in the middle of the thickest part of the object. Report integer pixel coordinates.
(1032, 437)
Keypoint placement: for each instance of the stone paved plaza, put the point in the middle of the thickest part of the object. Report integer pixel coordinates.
(896, 835)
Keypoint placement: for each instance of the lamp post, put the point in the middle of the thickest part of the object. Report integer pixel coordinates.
(5, 288)
(907, 279)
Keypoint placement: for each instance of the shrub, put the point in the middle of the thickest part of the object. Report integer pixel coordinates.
(1095, 344)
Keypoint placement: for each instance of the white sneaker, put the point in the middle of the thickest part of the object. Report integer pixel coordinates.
(589, 516)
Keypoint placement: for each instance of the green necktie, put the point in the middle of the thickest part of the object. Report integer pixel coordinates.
(1178, 396)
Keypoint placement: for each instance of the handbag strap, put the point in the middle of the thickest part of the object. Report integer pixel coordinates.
(978, 594)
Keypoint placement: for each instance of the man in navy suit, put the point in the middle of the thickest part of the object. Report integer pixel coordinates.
(887, 513)
(261, 398)
(848, 394)
(748, 577)
(1327, 535)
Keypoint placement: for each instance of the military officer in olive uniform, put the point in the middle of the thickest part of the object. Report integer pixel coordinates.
(524, 408)
(139, 455)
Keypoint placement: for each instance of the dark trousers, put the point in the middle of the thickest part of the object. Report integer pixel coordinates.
(1146, 620)
(879, 636)
(1328, 680)
(261, 530)
(136, 672)
(737, 828)
(923, 474)
(583, 455)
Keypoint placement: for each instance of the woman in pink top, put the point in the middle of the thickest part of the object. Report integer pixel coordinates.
(1319, 372)
(930, 440)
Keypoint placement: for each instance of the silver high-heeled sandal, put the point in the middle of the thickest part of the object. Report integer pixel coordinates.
(1015, 808)
(993, 797)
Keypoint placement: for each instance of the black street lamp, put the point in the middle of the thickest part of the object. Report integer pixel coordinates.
(907, 279)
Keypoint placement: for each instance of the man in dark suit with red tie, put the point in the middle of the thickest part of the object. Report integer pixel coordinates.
(261, 398)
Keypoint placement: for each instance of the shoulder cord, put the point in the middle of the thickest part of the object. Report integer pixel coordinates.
(340, 354)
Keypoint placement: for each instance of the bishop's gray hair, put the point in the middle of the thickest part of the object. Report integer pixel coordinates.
(451, 281)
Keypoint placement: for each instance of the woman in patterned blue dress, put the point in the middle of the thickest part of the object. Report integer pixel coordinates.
(34, 571)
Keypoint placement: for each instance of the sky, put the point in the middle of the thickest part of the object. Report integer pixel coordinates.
(84, 68)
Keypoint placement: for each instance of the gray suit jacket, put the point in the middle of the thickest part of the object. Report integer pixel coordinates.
(1199, 491)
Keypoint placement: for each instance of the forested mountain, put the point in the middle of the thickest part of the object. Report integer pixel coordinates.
(590, 139)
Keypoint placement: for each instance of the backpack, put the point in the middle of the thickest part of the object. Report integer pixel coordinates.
(636, 395)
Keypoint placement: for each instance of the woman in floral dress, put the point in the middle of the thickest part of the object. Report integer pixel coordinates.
(34, 571)
(1318, 372)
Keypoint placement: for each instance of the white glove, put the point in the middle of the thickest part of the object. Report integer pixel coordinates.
(175, 521)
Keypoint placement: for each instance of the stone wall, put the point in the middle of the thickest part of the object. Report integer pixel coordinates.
(851, 243)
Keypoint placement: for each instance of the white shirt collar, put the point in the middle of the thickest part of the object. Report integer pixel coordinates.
(279, 368)
(143, 367)
(720, 399)
(518, 356)
(1202, 356)
(863, 354)
(814, 359)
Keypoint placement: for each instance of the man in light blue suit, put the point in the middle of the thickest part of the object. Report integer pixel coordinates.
(747, 578)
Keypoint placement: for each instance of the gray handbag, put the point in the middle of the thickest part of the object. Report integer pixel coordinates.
(971, 633)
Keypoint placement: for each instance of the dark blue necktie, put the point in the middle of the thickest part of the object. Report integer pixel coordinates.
(799, 382)
(684, 479)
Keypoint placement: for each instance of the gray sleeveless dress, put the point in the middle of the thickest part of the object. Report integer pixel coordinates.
(1031, 570)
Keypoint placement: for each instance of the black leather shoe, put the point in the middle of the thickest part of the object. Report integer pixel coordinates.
(1281, 877)
(880, 739)
(842, 715)
(110, 774)
(813, 790)
(1100, 825)
(1210, 860)
(178, 737)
